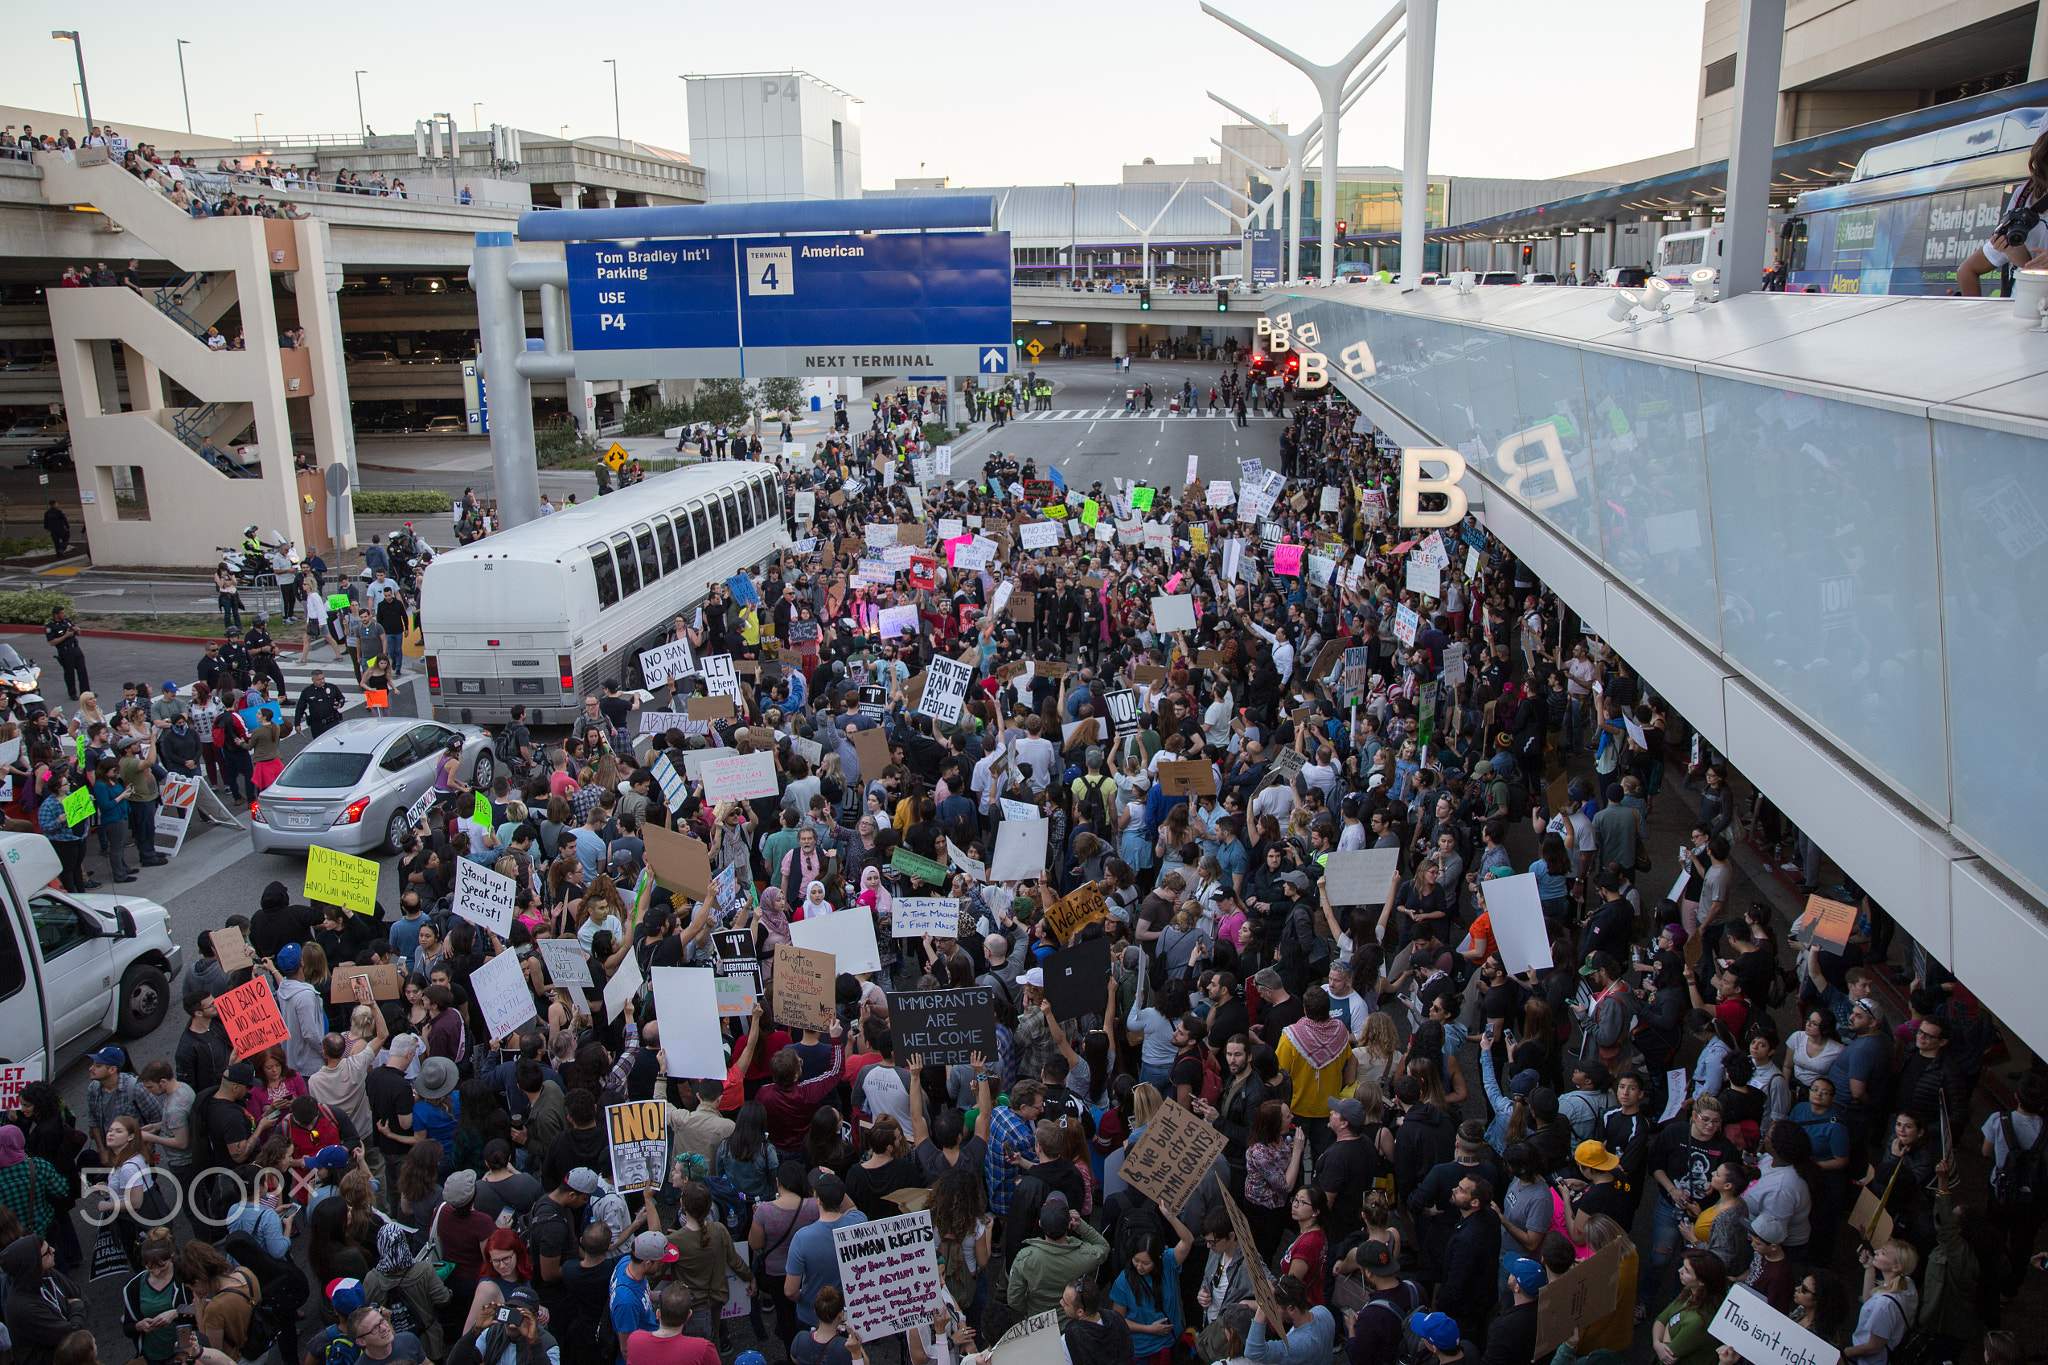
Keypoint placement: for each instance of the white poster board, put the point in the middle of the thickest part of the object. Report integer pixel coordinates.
(720, 679)
(1039, 535)
(686, 1003)
(664, 662)
(1361, 876)
(567, 964)
(848, 935)
(484, 897)
(500, 991)
(1020, 850)
(889, 1268)
(624, 985)
(740, 777)
(1763, 1335)
(1424, 577)
(897, 621)
(13, 1077)
(1170, 614)
(1515, 909)
(916, 916)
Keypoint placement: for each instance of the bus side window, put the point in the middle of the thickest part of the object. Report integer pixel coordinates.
(717, 523)
(732, 514)
(629, 571)
(760, 500)
(650, 566)
(703, 528)
(774, 497)
(746, 508)
(607, 579)
(665, 537)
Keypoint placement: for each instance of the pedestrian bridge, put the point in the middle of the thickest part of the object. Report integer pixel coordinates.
(1059, 303)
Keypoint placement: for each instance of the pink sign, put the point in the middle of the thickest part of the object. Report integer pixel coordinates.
(1173, 583)
(953, 546)
(1287, 560)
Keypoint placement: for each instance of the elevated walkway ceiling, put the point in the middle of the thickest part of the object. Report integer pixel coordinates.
(1816, 523)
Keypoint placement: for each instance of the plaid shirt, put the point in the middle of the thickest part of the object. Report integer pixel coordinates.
(27, 1188)
(1008, 1132)
(584, 800)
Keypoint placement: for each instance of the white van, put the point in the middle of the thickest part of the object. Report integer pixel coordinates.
(74, 969)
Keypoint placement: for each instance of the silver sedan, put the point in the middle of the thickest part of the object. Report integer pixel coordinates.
(349, 789)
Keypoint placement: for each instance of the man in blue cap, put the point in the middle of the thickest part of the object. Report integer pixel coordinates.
(303, 1012)
(1511, 1340)
(1439, 1332)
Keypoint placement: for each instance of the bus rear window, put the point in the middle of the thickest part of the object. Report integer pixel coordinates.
(629, 572)
(607, 579)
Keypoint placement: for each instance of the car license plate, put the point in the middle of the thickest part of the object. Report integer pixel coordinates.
(298, 821)
(470, 689)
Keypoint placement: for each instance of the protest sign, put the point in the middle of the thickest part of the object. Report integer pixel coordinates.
(916, 916)
(13, 1077)
(678, 862)
(1287, 560)
(1827, 922)
(232, 949)
(686, 1003)
(1220, 494)
(889, 1269)
(1515, 909)
(624, 985)
(1584, 1294)
(1761, 1334)
(849, 936)
(733, 950)
(805, 986)
(665, 662)
(1077, 978)
(944, 1027)
(1405, 625)
(742, 777)
(922, 868)
(1170, 614)
(1424, 578)
(897, 621)
(720, 678)
(1084, 905)
(1170, 1158)
(250, 1016)
(1123, 711)
(1020, 850)
(974, 868)
(1190, 777)
(945, 689)
(484, 897)
(1018, 810)
(655, 722)
(501, 995)
(566, 962)
(871, 748)
(1038, 535)
(1034, 1341)
(386, 981)
(1361, 877)
(1677, 1082)
(711, 708)
(638, 1131)
(341, 879)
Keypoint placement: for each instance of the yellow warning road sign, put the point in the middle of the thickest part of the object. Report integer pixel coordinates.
(617, 457)
(1036, 347)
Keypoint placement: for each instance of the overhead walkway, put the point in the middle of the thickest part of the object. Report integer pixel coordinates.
(1819, 525)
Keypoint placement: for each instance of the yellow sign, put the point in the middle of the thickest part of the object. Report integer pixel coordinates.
(1036, 347)
(616, 457)
(341, 879)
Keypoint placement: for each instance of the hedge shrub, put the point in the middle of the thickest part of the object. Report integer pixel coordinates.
(393, 504)
(30, 608)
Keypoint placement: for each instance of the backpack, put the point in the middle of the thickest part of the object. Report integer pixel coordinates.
(2020, 1184)
(283, 1291)
(1139, 1222)
(1093, 807)
(1517, 797)
(735, 1208)
(1212, 1077)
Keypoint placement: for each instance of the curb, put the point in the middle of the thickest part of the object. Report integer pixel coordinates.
(143, 635)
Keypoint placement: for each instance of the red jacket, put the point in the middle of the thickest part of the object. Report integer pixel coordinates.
(790, 1107)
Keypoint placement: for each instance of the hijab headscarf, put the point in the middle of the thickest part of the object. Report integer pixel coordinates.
(394, 1253)
(814, 900)
(773, 917)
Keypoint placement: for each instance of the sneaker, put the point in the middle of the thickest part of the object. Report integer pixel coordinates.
(91, 885)
(1788, 867)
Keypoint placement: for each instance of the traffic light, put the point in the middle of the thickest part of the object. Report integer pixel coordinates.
(1340, 229)
(1222, 300)
(1020, 341)
(1144, 298)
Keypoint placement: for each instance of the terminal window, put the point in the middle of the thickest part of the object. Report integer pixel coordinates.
(1720, 76)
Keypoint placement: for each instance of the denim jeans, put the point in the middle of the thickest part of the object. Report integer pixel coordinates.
(1665, 1245)
(1159, 1076)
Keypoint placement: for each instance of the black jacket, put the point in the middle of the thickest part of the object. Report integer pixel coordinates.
(43, 1309)
(1511, 1340)
(1034, 1187)
(1471, 1261)
(1425, 1140)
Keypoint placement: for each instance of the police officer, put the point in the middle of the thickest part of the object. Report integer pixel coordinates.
(234, 660)
(64, 636)
(252, 545)
(319, 706)
(263, 654)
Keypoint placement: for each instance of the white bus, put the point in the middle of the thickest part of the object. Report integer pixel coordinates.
(545, 612)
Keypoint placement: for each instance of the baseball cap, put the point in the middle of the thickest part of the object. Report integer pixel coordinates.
(1053, 1219)
(1375, 1255)
(460, 1189)
(328, 1158)
(523, 1297)
(829, 1188)
(1866, 1004)
(1768, 1227)
(1438, 1329)
(750, 1358)
(169, 686)
(583, 1180)
(1034, 977)
(345, 1294)
(1529, 1274)
(1594, 1156)
(652, 1246)
(1298, 880)
(1350, 1110)
(288, 958)
(239, 1073)
(1599, 962)
(109, 1056)
(1523, 1082)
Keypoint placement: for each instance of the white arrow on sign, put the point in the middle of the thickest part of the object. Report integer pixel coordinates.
(993, 360)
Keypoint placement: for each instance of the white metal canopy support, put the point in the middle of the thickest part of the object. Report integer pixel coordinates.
(1145, 233)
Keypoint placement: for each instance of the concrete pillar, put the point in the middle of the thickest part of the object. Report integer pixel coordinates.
(570, 195)
(104, 377)
(1760, 50)
(337, 375)
(611, 197)
(2037, 65)
(1119, 339)
(501, 327)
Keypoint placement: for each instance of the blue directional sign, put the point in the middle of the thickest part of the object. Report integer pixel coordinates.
(995, 360)
(792, 305)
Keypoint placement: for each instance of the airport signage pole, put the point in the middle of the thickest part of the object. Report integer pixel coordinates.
(1415, 153)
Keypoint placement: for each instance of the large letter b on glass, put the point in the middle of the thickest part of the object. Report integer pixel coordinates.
(1414, 483)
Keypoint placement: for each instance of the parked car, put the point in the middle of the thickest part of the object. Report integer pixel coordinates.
(75, 969)
(447, 423)
(51, 458)
(373, 358)
(428, 284)
(349, 789)
(427, 356)
(1500, 277)
(1539, 277)
(1627, 277)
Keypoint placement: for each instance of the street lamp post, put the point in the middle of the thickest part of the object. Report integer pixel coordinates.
(70, 35)
(1330, 84)
(362, 124)
(476, 122)
(183, 89)
(618, 136)
(259, 131)
(1073, 238)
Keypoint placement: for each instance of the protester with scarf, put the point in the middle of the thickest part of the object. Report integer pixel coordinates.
(1316, 1051)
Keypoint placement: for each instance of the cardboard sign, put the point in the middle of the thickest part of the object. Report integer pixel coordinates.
(711, 708)
(686, 1003)
(1262, 1284)
(232, 949)
(1868, 1220)
(341, 879)
(250, 1016)
(1077, 978)
(871, 748)
(1146, 674)
(484, 897)
(889, 1268)
(1362, 876)
(916, 916)
(1189, 777)
(849, 936)
(501, 995)
(1020, 850)
(566, 962)
(678, 862)
(387, 980)
(1584, 1294)
(741, 777)
(13, 1077)
(1066, 916)
(805, 986)
(1169, 1160)
(944, 1027)
(1760, 1333)
(638, 1132)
